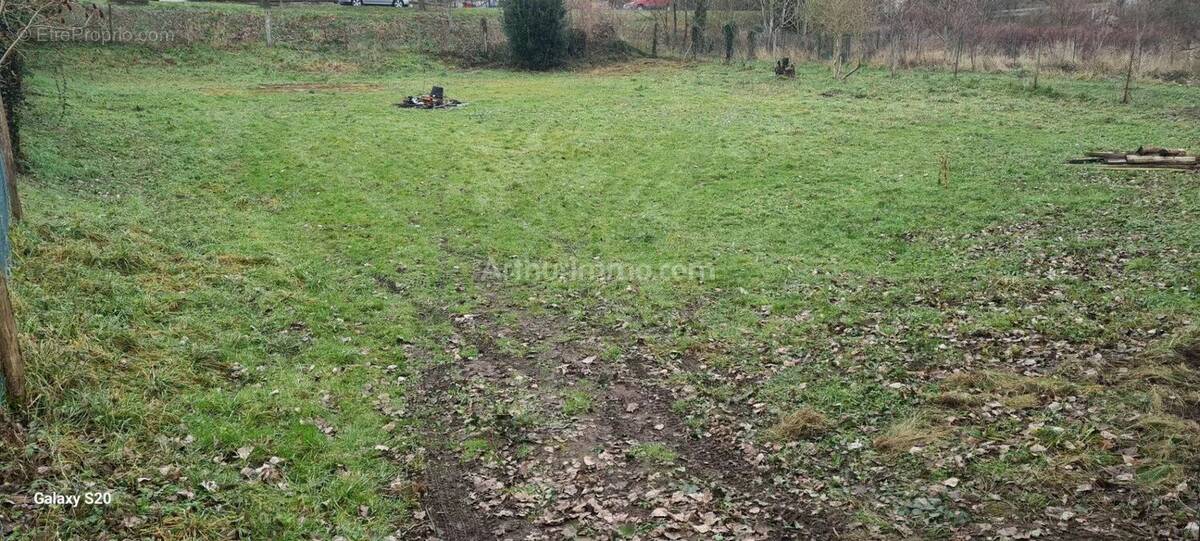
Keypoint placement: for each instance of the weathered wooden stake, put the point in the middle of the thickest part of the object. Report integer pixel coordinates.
(267, 27)
(10, 350)
(1126, 92)
(1037, 66)
(483, 26)
(654, 41)
(11, 363)
(266, 5)
(730, 31)
(10, 166)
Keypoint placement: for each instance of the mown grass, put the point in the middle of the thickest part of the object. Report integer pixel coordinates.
(199, 270)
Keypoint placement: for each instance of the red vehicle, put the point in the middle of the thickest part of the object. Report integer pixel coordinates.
(647, 4)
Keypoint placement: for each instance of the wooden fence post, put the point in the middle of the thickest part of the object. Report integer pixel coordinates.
(654, 41)
(266, 5)
(11, 363)
(10, 350)
(10, 167)
(483, 26)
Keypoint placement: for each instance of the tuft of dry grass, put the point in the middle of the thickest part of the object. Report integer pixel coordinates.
(907, 433)
(802, 423)
(957, 399)
(1022, 401)
(1004, 383)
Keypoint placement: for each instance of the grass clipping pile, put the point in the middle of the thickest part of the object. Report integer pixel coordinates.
(435, 99)
(1143, 158)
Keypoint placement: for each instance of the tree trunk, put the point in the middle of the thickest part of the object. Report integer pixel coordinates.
(895, 54)
(674, 22)
(687, 40)
(958, 45)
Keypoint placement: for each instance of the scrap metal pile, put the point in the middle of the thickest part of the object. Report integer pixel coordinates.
(435, 99)
(1143, 158)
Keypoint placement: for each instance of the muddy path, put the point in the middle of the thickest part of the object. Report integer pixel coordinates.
(545, 427)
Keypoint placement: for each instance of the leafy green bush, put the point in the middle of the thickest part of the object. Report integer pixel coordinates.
(537, 32)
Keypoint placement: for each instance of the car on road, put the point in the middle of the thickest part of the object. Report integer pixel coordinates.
(393, 3)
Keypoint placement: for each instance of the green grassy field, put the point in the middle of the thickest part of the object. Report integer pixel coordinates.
(259, 301)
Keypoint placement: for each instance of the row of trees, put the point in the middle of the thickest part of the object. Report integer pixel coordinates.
(957, 32)
(967, 27)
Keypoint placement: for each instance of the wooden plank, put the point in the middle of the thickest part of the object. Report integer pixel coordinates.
(1160, 160)
(10, 350)
(1183, 168)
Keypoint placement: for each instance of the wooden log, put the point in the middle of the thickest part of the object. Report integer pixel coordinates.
(1183, 168)
(1165, 160)
(1160, 151)
(10, 351)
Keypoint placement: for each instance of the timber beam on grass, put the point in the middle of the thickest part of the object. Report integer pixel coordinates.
(1144, 158)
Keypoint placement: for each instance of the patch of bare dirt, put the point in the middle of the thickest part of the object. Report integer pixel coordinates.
(391, 285)
(443, 490)
(1190, 354)
(318, 87)
(628, 465)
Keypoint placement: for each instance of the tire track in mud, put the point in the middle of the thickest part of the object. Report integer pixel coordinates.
(540, 474)
(443, 491)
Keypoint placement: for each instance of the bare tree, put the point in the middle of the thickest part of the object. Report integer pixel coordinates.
(897, 17)
(1136, 21)
(1065, 15)
(19, 17)
(777, 15)
(841, 18)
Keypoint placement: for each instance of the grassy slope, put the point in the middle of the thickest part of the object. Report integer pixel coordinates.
(198, 272)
